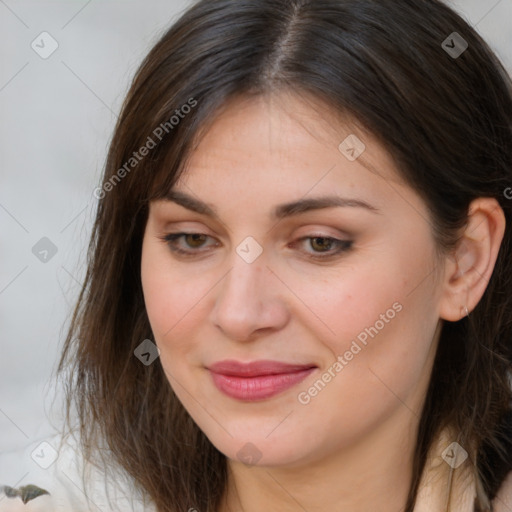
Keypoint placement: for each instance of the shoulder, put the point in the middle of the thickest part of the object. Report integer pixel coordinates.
(503, 500)
(54, 469)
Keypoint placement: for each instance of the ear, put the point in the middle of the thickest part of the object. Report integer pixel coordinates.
(469, 266)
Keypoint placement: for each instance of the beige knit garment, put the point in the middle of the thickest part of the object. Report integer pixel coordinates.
(449, 482)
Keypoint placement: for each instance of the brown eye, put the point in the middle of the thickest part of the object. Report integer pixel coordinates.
(321, 244)
(323, 247)
(189, 244)
(195, 240)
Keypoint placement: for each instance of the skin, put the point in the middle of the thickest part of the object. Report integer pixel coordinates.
(358, 433)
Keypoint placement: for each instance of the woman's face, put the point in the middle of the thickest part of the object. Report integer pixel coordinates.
(340, 303)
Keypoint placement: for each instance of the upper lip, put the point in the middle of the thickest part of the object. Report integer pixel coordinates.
(256, 368)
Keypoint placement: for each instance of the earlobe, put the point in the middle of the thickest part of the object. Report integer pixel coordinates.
(469, 267)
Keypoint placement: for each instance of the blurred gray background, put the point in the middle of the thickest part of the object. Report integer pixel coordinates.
(57, 114)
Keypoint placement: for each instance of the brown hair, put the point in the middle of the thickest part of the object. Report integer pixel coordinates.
(445, 120)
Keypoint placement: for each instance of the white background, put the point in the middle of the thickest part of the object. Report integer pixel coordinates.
(57, 116)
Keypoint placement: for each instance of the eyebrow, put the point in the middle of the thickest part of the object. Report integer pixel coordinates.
(280, 211)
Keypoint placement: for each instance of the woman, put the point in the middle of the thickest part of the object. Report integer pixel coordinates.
(298, 294)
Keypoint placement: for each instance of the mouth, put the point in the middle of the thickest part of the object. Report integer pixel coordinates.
(257, 380)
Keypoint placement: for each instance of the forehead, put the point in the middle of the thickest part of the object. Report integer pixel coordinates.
(278, 124)
(286, 140)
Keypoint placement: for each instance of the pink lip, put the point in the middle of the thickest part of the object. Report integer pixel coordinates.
(257, 380)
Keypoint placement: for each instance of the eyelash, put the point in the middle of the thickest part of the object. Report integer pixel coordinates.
(342, 245)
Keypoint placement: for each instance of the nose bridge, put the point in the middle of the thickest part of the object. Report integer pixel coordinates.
(247, 300)
(242, 283)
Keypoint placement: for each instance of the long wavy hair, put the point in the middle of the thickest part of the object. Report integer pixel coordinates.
(445, 119)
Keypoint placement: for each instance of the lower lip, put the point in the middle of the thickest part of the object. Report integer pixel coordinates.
(258, 388)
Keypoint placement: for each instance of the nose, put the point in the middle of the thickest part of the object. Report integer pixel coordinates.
(249, 302)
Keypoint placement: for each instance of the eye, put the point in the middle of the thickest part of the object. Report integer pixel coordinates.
(324, 246)
(321, 244)
(192, 242)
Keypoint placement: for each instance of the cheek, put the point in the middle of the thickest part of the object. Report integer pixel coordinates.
(173, 305)
(344, 305)
(172, 298)
(381, 320)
